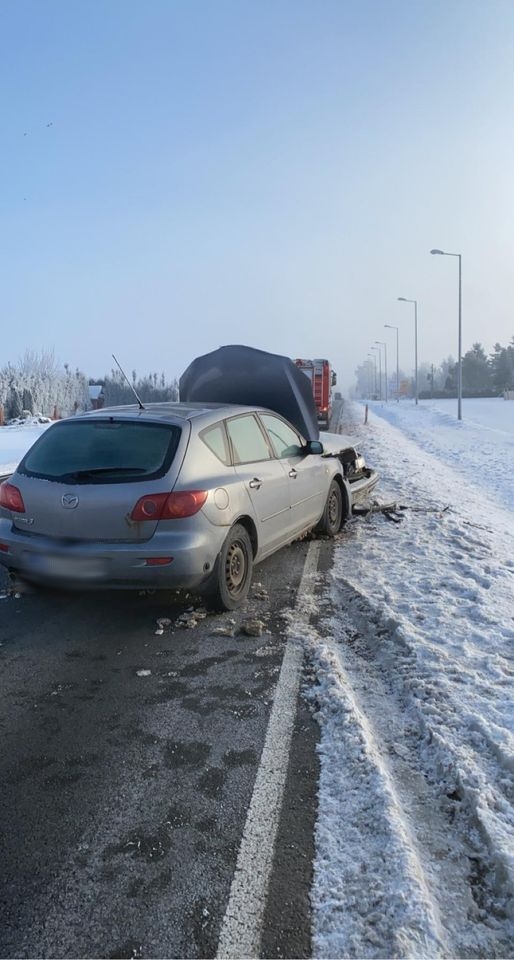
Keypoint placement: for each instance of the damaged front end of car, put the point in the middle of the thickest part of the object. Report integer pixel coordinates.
(360, 478)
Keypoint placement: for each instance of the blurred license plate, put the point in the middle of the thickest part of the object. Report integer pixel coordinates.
(69, 567)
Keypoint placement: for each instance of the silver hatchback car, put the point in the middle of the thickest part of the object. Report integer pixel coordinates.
(175, 495)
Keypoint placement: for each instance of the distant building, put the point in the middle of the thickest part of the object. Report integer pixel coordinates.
(96, 396)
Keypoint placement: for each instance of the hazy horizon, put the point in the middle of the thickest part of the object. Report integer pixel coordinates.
(179, 176)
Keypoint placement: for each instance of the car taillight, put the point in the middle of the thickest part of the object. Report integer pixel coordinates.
(169, 506)
(11, 498)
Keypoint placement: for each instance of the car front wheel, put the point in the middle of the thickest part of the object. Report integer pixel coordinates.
(232, 575)
(330, 523)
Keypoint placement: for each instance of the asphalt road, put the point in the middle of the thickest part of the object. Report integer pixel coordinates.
(127, 766)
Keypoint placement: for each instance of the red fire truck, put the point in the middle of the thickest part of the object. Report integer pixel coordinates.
(322, 379)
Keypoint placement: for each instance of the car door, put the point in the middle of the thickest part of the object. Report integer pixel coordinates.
(308, 475)
(265, 480)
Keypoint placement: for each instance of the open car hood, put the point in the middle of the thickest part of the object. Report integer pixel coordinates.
(334, 443)
(237, 374)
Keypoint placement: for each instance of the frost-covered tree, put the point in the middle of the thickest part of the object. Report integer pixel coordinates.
(150, 388)
(37, 383)
(14, 402)
(28, 403)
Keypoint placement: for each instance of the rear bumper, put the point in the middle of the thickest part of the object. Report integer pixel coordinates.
(98, 565)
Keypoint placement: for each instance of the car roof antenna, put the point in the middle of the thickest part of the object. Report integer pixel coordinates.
(131, 385)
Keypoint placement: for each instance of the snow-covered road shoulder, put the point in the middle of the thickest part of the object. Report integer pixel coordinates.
(415, 699)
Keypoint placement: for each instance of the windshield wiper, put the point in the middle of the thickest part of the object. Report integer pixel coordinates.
(100, 471)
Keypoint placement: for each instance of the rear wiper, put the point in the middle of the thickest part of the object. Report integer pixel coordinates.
(99, 471)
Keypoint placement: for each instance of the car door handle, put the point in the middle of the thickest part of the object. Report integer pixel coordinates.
(255, 484)
(293, 473)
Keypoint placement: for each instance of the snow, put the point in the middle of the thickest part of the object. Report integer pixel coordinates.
(480, 446)
(413, 663)
(16, 439)
(411, 655)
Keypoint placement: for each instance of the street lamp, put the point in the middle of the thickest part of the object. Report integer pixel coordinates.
(370, 374)
(384, 345)
(379, 371)
(373, 357)
(415, 302)
(390, 326)
(444, 253)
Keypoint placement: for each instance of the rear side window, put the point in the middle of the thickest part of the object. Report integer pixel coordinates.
(102, 451)
(247, 439)
(216, 439)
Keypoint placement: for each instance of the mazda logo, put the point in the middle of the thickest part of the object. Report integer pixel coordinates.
(69, 500)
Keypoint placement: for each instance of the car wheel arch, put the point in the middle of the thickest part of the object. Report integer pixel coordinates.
(249, 525)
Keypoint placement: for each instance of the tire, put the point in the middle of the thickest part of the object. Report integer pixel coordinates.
(19, 584)
(332, 518)
(232, 575)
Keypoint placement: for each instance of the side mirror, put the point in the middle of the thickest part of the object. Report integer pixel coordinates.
(313, 446)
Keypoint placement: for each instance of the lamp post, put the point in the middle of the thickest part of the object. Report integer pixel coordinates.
(390, 326)
(370, 374)
(373, 357)
(379, 371)
(415, 302)
(444, 253)
(384, 345)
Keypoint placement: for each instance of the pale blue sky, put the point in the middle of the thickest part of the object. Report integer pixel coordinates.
(270, 173)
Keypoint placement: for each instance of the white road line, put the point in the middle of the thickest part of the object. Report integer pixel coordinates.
(241, 929)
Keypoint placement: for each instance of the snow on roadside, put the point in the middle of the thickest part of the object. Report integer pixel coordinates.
(414, 667)
(480, 446)
(15, 440)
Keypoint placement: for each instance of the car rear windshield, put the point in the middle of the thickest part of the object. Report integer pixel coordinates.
(102, 451)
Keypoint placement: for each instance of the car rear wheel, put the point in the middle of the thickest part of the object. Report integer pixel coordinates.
(330, 523)
(232, 574)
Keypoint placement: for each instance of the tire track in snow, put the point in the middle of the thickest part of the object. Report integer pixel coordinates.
(405, 874)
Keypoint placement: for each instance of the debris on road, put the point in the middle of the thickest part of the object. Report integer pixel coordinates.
(259, 592)
(375, 507)
(225, 630)
(253, 628)
(392, 511)
(190, 618)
